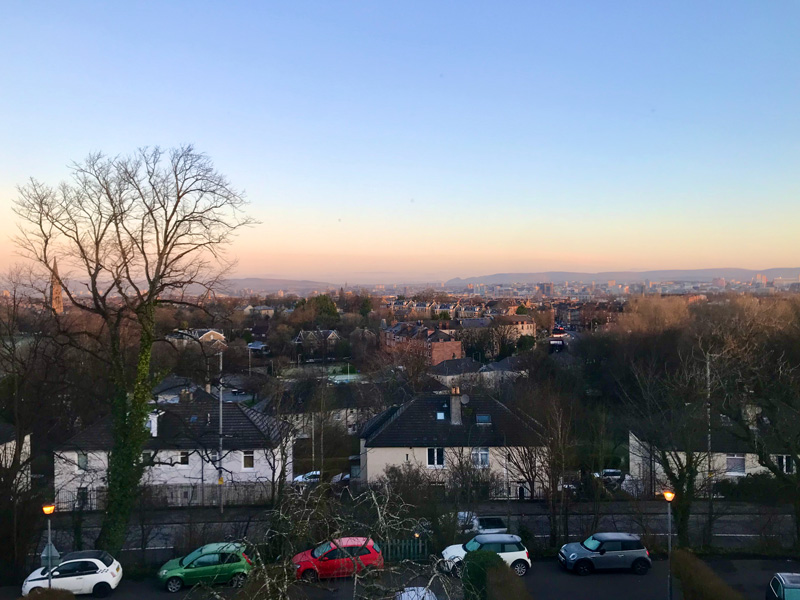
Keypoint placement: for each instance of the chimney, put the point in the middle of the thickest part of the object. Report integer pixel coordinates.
(185, 395)
(152, 423)
(455, 406)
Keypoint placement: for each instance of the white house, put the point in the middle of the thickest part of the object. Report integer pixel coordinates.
(8, 449)
(182, 456)
(435, 431)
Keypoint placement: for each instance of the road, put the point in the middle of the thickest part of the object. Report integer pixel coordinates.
(545, 581)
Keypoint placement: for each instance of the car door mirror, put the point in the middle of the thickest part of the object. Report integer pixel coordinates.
(602, 551)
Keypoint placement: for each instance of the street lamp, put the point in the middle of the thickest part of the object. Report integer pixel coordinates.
(49, 509)
(669, 497)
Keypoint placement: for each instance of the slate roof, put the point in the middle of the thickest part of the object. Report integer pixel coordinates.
(173, 383)
(510, 363)
(191, 425)
(414, 424)
(456, 366)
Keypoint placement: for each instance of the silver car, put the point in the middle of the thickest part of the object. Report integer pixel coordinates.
(606, 551)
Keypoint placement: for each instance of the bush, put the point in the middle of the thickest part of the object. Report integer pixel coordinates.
(698, 581)
(476, 573)
(54, 594)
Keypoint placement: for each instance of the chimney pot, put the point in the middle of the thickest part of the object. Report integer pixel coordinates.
(455, 406)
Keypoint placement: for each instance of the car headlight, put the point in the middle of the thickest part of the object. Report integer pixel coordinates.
(564, 546)
(162, 572)
(296, 566)
(573, 556)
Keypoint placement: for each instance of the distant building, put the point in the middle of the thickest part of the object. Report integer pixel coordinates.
(56, 299)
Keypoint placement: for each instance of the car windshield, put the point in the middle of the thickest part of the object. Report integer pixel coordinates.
(471, 545)
(791, 594)
(321, 549)
(190, 557)
(590, 543)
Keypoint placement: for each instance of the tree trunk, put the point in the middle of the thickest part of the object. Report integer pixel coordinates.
(682, 512)
(129, 414)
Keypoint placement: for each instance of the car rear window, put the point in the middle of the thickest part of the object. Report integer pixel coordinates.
(491, 523)
(377, 548)
(106, 559)
(632, 545)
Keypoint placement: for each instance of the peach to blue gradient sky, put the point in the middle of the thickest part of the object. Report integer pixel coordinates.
(425, 140)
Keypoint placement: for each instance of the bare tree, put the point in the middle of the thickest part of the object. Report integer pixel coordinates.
(130, 233)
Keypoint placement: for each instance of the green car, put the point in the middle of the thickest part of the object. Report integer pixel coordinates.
(209, 564)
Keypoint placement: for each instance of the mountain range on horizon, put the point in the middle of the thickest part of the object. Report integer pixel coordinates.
(273, 284)
(689, 275)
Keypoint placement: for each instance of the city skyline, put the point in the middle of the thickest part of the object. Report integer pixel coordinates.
(430, 142)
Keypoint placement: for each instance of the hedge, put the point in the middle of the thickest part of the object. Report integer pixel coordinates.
(487, 577)
(698, 580)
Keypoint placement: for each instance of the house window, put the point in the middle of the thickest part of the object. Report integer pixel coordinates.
(435, 458)
(785, 463)
(83, 461)
(480, 457)
(483, 419)
(735, 464)
(82, 498)
(440, 415)
(248, 459)
(148, 460)
(183, 458)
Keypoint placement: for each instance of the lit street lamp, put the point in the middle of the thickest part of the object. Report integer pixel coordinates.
(49, 509)
(669, 496)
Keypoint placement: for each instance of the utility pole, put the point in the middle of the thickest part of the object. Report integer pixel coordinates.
(220, 481)
(710, 477)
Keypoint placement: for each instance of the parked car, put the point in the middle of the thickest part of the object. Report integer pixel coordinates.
(307, 478)
(509, 547)
(784, 586)
(470, 523)
(86, 572)
(415, 593)
(606, 551)
(224, 562)
(338, 558)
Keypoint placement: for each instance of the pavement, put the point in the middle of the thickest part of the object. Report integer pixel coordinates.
(545, 581)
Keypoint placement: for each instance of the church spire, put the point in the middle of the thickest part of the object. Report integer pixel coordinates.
(56, 301)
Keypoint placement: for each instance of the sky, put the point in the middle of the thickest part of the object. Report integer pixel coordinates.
(403, 141)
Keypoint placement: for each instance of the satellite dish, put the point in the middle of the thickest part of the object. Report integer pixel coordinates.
(464, 399)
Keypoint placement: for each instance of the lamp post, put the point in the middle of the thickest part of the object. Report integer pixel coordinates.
(669, 496)
(49, 509)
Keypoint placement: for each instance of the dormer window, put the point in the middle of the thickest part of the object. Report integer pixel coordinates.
(483, 419)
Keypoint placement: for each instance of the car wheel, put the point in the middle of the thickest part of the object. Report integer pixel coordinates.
(174, 584)
(238, 580)
(101, 590)
(310, 575)
(520, 568)
(582, 568)
(640, 567)
(458, 569)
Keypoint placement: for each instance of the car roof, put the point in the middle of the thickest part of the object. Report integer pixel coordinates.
(789, 580)
(602, 537)
(83, 555)
(494, 538)
(351, 541)
(222, 546)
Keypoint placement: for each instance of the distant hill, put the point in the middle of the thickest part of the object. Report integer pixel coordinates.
(265, 284)
(690, 275)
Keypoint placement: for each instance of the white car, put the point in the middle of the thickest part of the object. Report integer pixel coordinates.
(509, 547)
(86, 572)
(310, 477)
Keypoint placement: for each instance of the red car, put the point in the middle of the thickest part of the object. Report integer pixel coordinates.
(338, 558)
